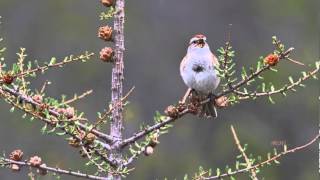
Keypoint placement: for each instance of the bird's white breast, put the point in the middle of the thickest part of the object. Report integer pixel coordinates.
(205, 81)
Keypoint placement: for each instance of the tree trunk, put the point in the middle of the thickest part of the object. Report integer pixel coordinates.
(117, 82)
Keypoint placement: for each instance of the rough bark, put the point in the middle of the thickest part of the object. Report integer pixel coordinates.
(117, 83)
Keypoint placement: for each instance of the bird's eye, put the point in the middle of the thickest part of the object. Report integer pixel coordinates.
(194, 42)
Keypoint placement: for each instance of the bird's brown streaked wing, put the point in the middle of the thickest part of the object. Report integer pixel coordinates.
(215, 60)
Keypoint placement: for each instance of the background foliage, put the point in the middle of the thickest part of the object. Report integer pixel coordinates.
(156, 39)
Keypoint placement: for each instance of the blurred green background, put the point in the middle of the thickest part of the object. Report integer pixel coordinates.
(156, 39)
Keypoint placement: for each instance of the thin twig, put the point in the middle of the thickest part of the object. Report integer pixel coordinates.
(150, 129)
(91, 159)
(242, 151)
(186, 95)
(59, 64)
(281, 90)
(295, 61)
(76, 97)
(44, 86)
(298, 148)
(54, 169)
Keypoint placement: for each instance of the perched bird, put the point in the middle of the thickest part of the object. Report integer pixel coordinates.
(198, 71)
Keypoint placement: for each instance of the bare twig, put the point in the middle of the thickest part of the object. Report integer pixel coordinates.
(242, 151)
(186, 95)
(295, 61)
(44, 86)
(76, 97)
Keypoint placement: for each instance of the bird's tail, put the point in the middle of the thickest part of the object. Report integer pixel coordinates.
(208, 110)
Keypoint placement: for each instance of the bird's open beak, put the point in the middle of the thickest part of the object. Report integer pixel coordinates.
(201, 43)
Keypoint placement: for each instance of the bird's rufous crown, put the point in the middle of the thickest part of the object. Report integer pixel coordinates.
(200, 36)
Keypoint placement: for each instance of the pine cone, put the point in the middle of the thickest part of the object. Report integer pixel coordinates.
(16, 155)
(35, 161)
(7, 78)
(107, 3)
(106, 54)
(271, 59)
(105, 33)
(172, 111)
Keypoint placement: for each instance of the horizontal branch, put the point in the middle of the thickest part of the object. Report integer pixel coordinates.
(281, 90)
(53, 112)
(54, 170)
(80, 140)
(150, 129)
(66, 60)
(298, 148)
(232, 88)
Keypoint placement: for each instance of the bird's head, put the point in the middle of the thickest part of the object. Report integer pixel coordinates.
(198, 41)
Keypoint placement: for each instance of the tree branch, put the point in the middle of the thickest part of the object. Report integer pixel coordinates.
(242, 151)
(52, 169)
(285, 152)
(281, 90)
(232, 89)
(63, 128)
(65, 61)
(53, 112)
(150, 129)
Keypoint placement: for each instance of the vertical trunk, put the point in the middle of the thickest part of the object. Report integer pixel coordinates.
(117, 80)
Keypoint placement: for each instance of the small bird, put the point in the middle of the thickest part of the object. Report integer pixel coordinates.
(199, 73)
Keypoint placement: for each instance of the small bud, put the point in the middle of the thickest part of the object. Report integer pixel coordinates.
(181, 107)
(271, 59)
(38, 98)
(106, 54)
(172, 111)
(74, 143)
(193, 109)
(154, 141)
(222, 102)
(16, 155)
(69, 113)
(90, 138)
(105, 33)
(148, 151)
(29, 107)
(61, 111)
(81, 134)
(15, 167)
(35, 161)
(7, 78)
(107, 3)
